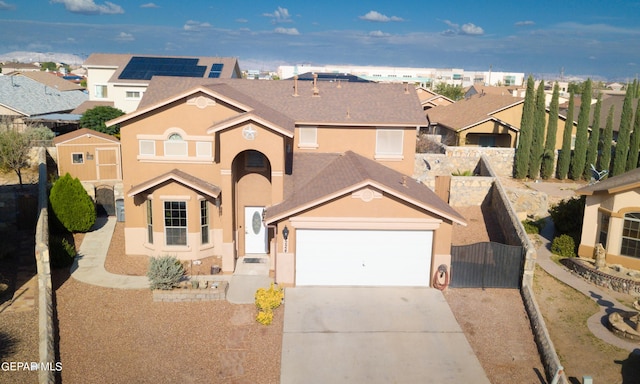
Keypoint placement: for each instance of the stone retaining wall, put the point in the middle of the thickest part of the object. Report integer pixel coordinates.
(469, 190)
(193, 294)
(618, 284)
(46, 310)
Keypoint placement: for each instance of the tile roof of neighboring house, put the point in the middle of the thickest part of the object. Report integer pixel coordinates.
(19, 66)
(180, 177)
(52, 80)
(466, 113)
(491, 90)
(120, 61)
(83, 132)
(364, 104)
(624, 182)
(82, 108)
(349, 172)
(30, 98)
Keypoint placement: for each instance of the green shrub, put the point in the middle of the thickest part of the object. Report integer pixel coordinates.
(533, 227)
(462, 173)
(567, 217)
(71, 204)
(267, 300)
(564, 246)
(61, 252)
(165, 272)
(96, 118)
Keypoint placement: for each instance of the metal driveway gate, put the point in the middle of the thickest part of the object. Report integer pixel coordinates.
(486, 265)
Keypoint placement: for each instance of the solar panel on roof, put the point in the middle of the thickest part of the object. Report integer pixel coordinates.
(144, 68)
(216, 70)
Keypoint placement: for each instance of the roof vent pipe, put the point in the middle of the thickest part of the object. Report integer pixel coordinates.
(316, 91)
(295, 85)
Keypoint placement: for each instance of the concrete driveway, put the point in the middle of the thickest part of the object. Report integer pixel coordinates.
(374, 335)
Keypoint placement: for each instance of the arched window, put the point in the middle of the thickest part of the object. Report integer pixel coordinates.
(175, 145)
(631, 235)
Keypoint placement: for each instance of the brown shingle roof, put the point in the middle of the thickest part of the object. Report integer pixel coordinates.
(472, 111)
(82, 108)
(81, 132)
(608, 101)
(624, 182)
(363, 104)
(53, 81)
(350, 171)
(181, 177)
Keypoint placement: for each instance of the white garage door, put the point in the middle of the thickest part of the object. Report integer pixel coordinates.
(363, 257)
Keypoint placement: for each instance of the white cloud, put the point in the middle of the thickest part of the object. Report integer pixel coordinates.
(378, 34)
(242, 20)
(123, 36)
(89, 7)
(195, 26)
(524, 23)
(280, 15)
(287, 31)
(472, 29)
(4, 6)
(149, 5)
(379, 17)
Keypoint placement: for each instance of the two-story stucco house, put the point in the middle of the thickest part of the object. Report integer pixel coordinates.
(313, 177)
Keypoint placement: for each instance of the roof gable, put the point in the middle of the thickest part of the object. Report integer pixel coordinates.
(350, 172)
(471, 111)
(181, 177)
(68, 138)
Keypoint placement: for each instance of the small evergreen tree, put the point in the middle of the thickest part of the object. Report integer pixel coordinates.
(523, 152)
(607, 139)
(564, 158)
(549, 156)
(537, 143)
(634, 145)
(582, 133)
(594, 139)
(14, 152)
(624, 133)
(71, 204)
(95, 118)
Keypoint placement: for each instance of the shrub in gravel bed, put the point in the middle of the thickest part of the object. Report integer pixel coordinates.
(267, 300)
(165, 272)
(71, 204)
(564, 246)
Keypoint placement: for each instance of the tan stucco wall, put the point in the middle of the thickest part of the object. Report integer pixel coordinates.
(616, 206)
(361, 140)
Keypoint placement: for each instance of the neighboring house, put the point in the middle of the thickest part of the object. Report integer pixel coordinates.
(89, 155)
(483, 120)
(612, 218)
(8, 68)
(430, 99)
(24, 100)
(479, 89)
(313, 177)
(122, 79)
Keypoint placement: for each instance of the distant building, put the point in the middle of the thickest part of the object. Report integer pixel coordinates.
(426, 77)
(8, 68)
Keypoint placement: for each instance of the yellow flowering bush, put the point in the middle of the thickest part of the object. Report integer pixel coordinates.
(266, 301)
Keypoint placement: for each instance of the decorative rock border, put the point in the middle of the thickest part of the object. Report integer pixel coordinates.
(618, 284)
(207, 291)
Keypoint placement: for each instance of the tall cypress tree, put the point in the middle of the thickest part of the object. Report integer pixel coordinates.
(523, 152)
(582, 133)
(607, 139)
(549, 156)
(634, 145)
(594, 139)
(537, 142)
(565, 153)
(624, 133)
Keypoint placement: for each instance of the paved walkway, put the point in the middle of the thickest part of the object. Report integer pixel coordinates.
(88, 266)
(597, 322)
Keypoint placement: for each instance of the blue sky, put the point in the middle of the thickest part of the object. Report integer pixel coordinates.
(583, 37)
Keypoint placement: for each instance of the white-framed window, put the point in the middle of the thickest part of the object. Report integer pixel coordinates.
(203, 149)
(175, 222)
(204, 222)
(133, 95)
(631, 235)
(175, 146)
(149, 222)
(77, 158)
(389, 143)
(308, 137)
(147, 147)
(101, 91)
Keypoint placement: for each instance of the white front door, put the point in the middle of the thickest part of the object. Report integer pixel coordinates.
(255, 234)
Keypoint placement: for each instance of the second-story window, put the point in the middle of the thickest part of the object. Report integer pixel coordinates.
(175, 146)
(308, 137)
(389, 143)
(101, 91)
